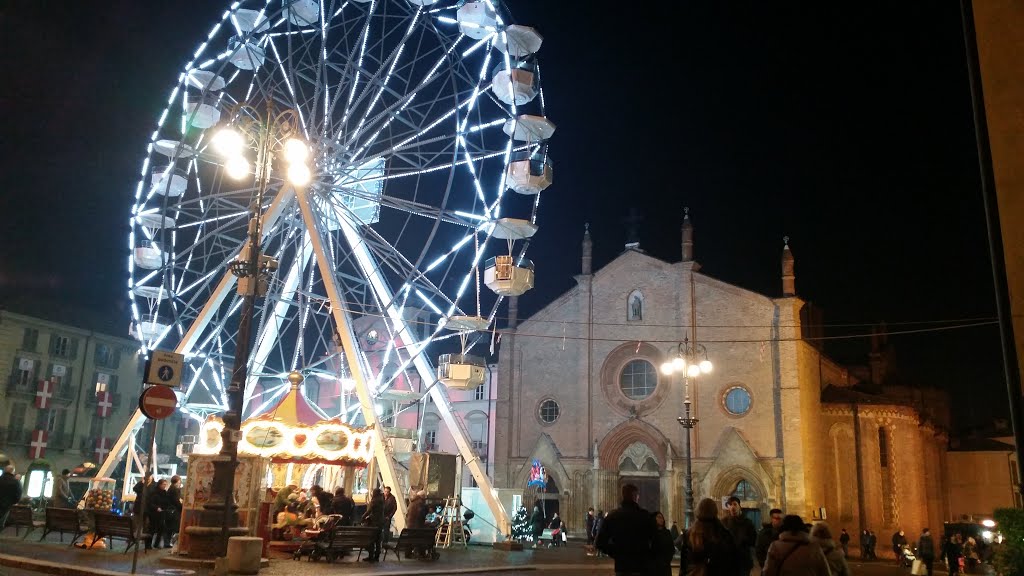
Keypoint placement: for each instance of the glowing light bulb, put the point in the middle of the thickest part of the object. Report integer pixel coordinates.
(705, 366)
(237, 167)
(298, 174)
(228, 143)
(666, 369)
(679, 363)
(693, 370)
(295, 151)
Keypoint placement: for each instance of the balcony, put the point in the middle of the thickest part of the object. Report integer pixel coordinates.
(65, 393)
(15, 386)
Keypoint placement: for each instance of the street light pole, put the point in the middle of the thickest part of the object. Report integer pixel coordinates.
(691, 360)
(252, 269)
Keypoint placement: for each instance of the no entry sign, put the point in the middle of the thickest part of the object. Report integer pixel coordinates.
(158, 402)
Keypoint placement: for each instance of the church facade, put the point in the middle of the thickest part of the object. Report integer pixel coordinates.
(780, 424)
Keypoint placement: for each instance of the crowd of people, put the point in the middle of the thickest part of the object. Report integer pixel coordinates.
(158, 504)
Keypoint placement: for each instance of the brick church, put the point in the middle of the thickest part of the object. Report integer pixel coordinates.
(780, 423)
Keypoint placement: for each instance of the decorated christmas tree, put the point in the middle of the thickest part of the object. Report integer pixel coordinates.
(521, 525)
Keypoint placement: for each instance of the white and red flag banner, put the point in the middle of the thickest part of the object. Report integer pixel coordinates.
(44, 394)
(37, 447)
(103, 404)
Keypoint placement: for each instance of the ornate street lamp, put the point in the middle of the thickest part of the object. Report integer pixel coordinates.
(690, 360)
(271, 134)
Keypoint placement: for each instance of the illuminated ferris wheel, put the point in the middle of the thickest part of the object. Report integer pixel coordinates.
(427, 146)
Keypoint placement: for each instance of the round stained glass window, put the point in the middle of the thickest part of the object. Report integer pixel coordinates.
(548, 411)
(638, 379)
(737, 401)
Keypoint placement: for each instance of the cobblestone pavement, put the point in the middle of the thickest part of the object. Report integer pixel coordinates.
(29, 557)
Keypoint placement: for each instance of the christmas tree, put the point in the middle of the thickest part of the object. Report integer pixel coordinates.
(521, 525)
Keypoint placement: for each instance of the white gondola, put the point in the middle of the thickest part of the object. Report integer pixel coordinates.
(202, 110)
(461, 371)
(530, 173)
(529, 128)
(304, 12)
(458, 323)
(149, 257)
(422, 2)
(148, 327)
(174, 149)
(169, 181)
(522, 41)
(155, 221)
(151, 292)
(502, 274)
(206, 80)
(517, 82)
(477, 20)
(248, 20)
(246, 55)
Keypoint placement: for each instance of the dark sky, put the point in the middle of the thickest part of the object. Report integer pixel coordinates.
(850, 131)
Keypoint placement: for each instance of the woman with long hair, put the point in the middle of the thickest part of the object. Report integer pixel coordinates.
(712, 549)
(663, 548)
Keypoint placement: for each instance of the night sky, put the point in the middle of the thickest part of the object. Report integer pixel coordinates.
(848, 131)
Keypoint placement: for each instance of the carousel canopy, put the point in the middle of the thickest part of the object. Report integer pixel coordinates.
(292, 431)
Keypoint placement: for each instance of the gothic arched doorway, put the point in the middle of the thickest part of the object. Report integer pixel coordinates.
(639, 466)
(750, 501)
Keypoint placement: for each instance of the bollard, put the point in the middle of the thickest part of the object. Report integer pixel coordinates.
(244, 554)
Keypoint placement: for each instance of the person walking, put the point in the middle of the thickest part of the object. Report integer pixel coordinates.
(174, 497)
(598, 523)
(872, 543)
(844, 542)
(769, 533)
(899, 540)
(374, 517)
(743, 533)
(821, 535)
(663, 548)
(10, 493)
(63, 497)
(793, 554)
(952, 553)
(589, 522)
(712, 549)
(390, 509)
(537, 523)
(627, 535)
(926, 550)
(158, 506)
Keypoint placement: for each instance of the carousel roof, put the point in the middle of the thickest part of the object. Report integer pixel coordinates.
(293, 408)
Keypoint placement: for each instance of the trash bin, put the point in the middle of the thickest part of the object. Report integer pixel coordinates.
(244, 554)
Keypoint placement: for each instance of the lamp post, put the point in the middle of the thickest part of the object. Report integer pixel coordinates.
(691, 360)
(269, 133)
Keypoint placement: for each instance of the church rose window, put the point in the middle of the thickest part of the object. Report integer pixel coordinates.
(548, 411)
(638, 379)
(737, 401)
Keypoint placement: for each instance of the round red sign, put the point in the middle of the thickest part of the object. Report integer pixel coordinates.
(158, 402)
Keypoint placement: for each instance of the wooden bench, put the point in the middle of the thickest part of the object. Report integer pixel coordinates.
(345, 538)
(411, 539)
(63, 520)
(109, 525)
(21, 516)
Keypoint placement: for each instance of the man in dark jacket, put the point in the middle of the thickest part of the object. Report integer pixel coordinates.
(627, 535)
(374, 517)
(844, 542)
(343, 505)
(926, 549)
(390, 509)
(899, 540)
(158, 508)
(10, 493)
(769, 533)
(743, 533)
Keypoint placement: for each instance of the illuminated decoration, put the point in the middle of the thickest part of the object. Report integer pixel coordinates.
(291, 431)
(412, 159)
(538, 476)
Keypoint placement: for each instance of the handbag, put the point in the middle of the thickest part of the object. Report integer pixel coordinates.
(919, 569)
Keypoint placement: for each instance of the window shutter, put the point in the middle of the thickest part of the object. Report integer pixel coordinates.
(73, 349)
(116, 360)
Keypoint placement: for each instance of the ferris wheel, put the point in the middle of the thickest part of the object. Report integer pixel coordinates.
(424, 146)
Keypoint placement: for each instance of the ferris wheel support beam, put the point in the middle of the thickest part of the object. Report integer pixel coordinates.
(428, 376)
(188, 341)
(356, 366)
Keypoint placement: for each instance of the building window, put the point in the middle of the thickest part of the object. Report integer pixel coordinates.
(745, 492)
(736, 400)
(107, 356)
(883, 449)
(23, 375)
(52, 418)
(30, 340)
(479, 393)
(105, 382)
(430, 439)
(638, 379)
(60, 345)
(548, 411)
(885, 470)
(635, 306)
(16, 422)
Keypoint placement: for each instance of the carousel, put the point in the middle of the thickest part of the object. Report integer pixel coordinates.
(287, 448)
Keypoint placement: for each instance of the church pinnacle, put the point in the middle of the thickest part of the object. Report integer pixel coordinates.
(687, 236)
(588, 249)
(788, 277)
